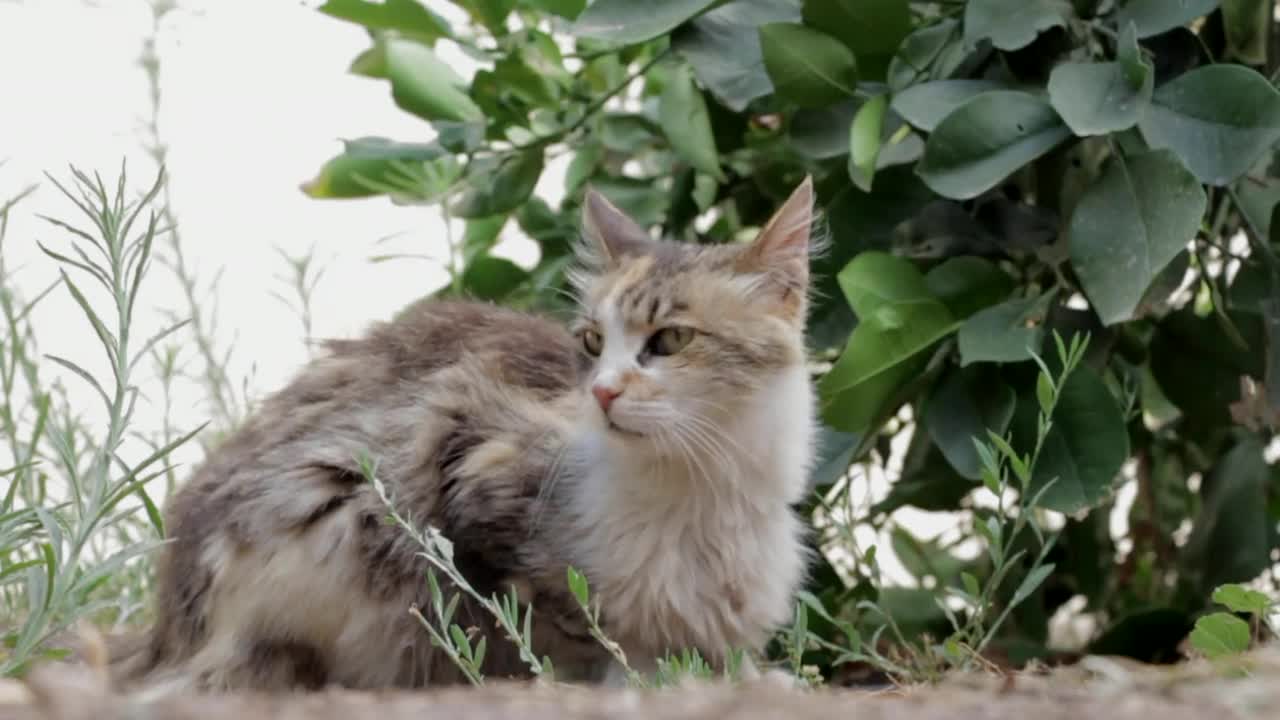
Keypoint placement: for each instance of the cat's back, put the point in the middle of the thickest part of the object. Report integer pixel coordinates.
(456, 402)
(517, 348)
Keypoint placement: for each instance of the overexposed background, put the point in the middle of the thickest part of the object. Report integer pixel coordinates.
(255, 97)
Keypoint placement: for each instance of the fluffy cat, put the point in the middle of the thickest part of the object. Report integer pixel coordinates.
(657, 445)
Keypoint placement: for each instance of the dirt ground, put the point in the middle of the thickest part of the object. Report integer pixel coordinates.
(1097, 687)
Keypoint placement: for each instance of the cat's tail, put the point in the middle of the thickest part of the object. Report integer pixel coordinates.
(127, 656)
(132, 667)
(116, 658)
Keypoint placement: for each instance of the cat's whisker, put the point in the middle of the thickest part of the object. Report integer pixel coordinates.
(718, 433)
(553, 476)
(691, 455)
(700, 440)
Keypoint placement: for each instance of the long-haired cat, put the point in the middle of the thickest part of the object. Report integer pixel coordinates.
(657, 445)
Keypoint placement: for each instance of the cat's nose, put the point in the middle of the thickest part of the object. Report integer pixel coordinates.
(604, 395)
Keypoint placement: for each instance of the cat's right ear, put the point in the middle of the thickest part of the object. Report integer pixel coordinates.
(609, 233)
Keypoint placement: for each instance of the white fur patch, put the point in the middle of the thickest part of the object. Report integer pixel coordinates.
(696, 551)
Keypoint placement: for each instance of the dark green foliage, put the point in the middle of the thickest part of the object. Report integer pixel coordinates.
(998, 177)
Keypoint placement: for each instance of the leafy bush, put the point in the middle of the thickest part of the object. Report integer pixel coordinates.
(995, 174)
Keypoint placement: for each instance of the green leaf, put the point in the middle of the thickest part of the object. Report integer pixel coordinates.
(529, 86)
(863, 221)
(459, 137)
(967, 284)
(1219, 635)
(568, 9)
(1218, 119)
(480, 235)
(723, 47)
(682, 113)
(872, 29)
(1198, 365)
(807, 67)
(629, 133)
(578, 586)
(1152, 17)
(1242, 599)
(460, 641)
(926, 53)
(406, 16)
(424, 85)
(584, 164)
(1084, 449)
(370, 63)
(986, 139)
(1106, 97)
(633, 21)
(352, 176)
(966, 405)
(1259, 195)
(1006, 333)
(821, 133)
(1030, 583)
(1246, 25)
(1129, 225)
(1230, 538)
(868, 27)
(835, 453)
(367, 165)
(1012, 24)
(926, 104)
(502, 188)
(864, 141)
(1271, 329)
(1138, 70)
(873, 280)
(1045, 392)
(898, 320)
(492, 13)
(883, 341)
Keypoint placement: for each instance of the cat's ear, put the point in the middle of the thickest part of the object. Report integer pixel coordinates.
(781, 250)
(608, 232)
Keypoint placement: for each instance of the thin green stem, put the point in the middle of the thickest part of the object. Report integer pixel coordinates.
(595, 106)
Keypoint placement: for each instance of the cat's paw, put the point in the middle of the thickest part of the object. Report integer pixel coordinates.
(773, 677)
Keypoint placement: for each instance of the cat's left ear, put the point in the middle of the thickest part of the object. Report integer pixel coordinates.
(781, 250)
(608, 232)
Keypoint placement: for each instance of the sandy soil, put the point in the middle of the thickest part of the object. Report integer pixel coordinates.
(1097, 687)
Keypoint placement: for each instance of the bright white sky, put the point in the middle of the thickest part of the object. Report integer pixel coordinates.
(256, 96)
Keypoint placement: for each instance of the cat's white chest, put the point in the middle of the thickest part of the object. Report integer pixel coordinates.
(704, 554)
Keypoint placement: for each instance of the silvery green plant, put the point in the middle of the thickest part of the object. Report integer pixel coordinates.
(68, 530)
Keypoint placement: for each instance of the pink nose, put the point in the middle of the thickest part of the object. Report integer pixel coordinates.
(605, 396)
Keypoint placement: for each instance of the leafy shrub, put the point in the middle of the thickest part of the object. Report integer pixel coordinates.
(995, 174)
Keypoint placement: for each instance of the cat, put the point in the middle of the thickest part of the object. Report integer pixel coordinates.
(658, 445)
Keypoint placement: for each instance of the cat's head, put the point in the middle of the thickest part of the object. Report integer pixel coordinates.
(684, 334)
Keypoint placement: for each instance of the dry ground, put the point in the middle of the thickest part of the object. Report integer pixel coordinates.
(1094, 689)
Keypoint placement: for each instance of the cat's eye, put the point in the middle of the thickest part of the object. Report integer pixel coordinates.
(592, 342)
(671, 340)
